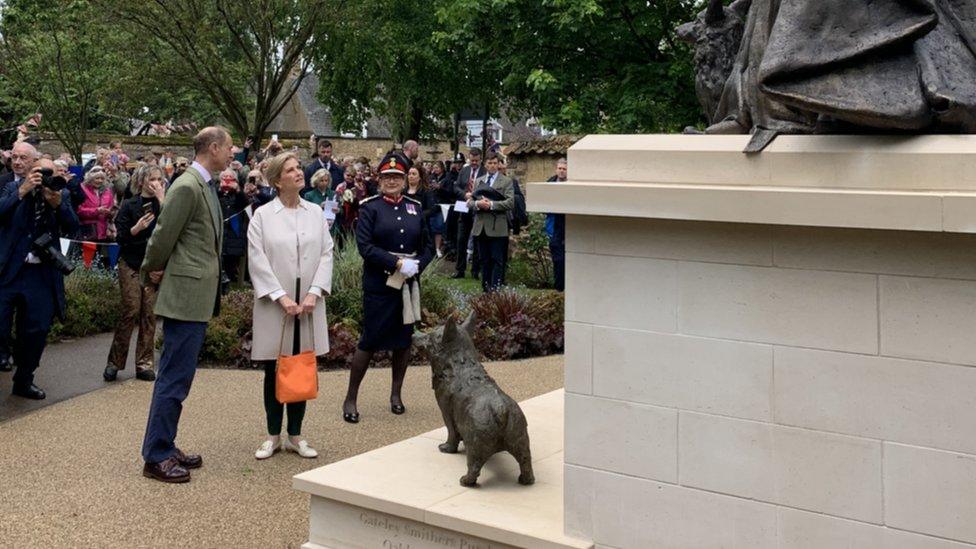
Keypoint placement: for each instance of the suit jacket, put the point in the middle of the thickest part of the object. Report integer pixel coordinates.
(186, 245)
(463, 178)
(337, 174)
(16, 226)
(494, 222)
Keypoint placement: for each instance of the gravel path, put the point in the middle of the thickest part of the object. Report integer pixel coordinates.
(70, 474)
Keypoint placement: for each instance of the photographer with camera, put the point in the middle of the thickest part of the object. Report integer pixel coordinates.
(34, 213)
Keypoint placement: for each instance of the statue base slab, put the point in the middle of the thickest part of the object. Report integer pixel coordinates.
(407, 495)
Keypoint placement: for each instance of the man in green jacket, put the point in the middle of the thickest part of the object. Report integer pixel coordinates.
(183, 257)
(492, 200)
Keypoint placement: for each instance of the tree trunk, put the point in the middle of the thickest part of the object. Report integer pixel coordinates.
(484, 133)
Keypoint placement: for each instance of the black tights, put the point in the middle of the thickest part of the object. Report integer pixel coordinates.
(275, 410)
(357, 371)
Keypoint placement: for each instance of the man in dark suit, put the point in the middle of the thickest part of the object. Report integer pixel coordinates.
(22, 158)
(462, 190)
(324, 161)
(491, 202)
(183, 257)
(31, 286)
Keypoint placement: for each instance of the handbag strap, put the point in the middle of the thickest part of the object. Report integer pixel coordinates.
(284, 323)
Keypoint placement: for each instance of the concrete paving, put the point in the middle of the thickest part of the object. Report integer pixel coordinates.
(70, 473)
(68, 369)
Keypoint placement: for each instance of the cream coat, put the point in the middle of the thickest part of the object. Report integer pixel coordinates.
(284, 244)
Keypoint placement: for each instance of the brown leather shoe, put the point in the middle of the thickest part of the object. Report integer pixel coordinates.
(188, 461)
(169, 470)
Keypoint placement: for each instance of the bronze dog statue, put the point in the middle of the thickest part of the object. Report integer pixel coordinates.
(475, 409)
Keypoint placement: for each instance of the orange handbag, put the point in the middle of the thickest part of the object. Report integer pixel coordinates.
(296, 376)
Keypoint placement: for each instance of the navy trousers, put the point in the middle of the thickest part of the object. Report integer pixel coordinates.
(182, 342)
(493, 257)
(32, 296)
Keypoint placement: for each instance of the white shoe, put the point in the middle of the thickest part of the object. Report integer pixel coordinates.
(267, 449)
(303, 449)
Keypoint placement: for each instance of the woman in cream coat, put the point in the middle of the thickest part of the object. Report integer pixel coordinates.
(287, 239)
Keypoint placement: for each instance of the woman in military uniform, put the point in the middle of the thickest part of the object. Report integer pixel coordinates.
(394, 240)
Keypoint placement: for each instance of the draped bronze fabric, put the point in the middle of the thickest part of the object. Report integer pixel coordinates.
(889, 64)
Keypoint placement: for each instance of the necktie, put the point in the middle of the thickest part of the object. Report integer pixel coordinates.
(472, 179)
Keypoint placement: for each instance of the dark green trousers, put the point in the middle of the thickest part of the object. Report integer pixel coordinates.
(275, 410)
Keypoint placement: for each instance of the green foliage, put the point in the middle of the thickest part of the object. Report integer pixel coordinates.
(581, 66)
(58, 59)
(93, 303)
(228, 339)
(346, 301)
(381, 59)
(531, 263)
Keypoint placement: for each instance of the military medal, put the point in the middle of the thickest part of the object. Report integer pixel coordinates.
(411, 209)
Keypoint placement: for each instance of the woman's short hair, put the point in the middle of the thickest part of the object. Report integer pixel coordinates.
(276, 165)
(96, 171)
(142, 174)
(319, 175)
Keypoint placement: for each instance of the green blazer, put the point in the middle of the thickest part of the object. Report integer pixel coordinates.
(186, 245)
(493, 222)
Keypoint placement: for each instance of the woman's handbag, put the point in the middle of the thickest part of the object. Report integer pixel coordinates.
(296, 376)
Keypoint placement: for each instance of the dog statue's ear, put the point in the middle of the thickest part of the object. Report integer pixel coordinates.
(470, 323)
(450, 331)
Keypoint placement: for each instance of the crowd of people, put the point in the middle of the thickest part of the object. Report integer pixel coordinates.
(183, 230)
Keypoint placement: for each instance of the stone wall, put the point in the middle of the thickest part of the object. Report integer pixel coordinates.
(533, 167)
(760, 386)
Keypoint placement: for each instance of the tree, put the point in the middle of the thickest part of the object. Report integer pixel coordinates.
(246, 56)
(582, 65)
(381, 59)
(58, 59)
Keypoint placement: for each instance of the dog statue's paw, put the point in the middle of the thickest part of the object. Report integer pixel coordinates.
(448, 448)
(469, 482)
(526, 479)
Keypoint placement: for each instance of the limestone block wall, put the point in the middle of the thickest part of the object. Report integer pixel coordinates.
(755, 386)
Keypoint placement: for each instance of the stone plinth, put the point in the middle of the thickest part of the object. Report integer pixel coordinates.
(407, 495)
(751, 361)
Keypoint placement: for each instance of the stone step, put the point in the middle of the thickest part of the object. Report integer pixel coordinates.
(407, 495)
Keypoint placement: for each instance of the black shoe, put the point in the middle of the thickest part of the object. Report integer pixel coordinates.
(111, 373)
(32, 392)
(351, 418)
(398, 409)
(457, 275)
(146, 375)
(6, 364)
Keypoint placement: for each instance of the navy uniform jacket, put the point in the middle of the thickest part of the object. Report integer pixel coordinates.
(17, 231)
(385, 228)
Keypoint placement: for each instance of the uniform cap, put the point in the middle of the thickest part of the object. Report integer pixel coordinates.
(393, 163)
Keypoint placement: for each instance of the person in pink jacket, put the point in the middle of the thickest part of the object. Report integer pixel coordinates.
(98, 208)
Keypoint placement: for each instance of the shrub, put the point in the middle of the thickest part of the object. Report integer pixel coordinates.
(228, 339)
(531, 262)
(346, 300)
(517, 324)
(93, 304)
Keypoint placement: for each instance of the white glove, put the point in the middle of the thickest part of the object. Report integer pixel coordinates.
(409, 267)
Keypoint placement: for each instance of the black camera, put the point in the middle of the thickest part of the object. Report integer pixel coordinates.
(46, 249)
(51, 181)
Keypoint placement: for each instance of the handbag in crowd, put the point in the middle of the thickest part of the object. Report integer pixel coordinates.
(296, 376)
